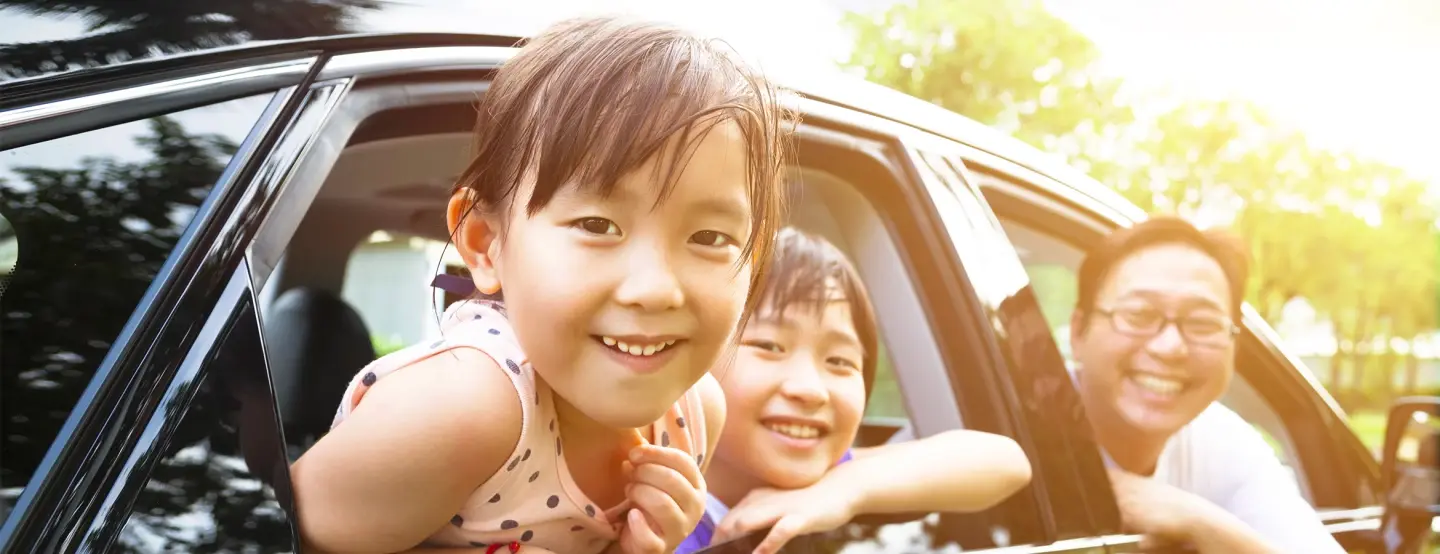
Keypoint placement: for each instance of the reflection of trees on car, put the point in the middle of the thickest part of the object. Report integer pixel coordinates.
(91, 238)
(201, 496)
(120, 30)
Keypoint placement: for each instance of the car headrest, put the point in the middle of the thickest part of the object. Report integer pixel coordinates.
(317, 343)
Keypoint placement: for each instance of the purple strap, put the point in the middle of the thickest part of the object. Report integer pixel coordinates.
(454, 284)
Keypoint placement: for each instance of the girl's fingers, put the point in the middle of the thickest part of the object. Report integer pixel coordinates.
(673, 484)
(665, 516)
(639, 535)
(672, 458)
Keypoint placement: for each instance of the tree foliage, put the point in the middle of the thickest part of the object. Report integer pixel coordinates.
(1355, 238)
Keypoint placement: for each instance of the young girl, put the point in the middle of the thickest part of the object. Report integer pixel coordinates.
(795, 397)
(618, 210)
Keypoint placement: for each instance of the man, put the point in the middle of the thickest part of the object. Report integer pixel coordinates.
(1153, 335)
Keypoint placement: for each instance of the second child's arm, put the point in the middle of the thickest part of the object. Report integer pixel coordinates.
(954, 471)
(408, 456)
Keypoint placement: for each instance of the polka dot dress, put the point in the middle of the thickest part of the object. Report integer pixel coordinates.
(532, 499)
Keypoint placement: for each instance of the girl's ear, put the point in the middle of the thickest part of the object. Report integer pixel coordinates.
(477, 238)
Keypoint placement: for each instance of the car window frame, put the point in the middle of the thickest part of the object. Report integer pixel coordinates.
(1050, 207)
(236, 311)
(80, 467)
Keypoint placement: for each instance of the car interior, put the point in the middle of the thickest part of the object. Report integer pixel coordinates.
(403, 147)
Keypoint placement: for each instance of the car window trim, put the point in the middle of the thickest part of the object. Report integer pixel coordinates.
(415, 61)
(225, 220)
(40, 122)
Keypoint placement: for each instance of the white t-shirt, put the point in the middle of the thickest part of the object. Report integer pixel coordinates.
(1220, 457)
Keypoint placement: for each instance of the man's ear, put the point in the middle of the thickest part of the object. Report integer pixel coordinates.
(477, 238)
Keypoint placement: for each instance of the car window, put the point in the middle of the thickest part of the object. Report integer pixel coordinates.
(222, 483)
(387, 280)
(1053, 266)
(88, 221)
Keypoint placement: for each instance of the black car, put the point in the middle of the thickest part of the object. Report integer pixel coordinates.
(179, 235)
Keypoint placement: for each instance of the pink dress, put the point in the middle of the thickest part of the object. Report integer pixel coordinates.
(533, 499)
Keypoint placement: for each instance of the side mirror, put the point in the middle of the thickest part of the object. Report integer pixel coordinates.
(1410, 470)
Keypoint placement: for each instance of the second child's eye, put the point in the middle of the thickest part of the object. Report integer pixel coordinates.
(714, 239)
(843, 362)
(768, 346)
(598, 226)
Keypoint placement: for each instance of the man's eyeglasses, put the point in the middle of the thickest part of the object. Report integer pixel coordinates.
(1144, 322)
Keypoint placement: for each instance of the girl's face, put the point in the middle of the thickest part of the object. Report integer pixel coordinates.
(794, 398)
(624, 302)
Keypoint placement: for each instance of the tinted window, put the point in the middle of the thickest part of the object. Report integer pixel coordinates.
(89, 220)
(215, 486)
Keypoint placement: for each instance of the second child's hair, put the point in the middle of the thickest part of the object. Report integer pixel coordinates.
(807, 273)
(592, 99)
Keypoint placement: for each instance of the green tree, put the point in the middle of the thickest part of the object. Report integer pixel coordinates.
(1350, 236)
(1007, 63)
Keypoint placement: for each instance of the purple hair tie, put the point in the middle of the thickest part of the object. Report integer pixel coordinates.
(454, 284)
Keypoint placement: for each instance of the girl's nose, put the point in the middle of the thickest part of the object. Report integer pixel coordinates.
(651, 284)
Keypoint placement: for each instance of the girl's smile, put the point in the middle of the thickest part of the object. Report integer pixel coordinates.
(641, 354)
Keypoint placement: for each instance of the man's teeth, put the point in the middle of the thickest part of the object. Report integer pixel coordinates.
(1157, 385)
(792, 430)
(636, 349)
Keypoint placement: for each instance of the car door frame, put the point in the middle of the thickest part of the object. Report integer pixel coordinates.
(69, 498)
(1063, 212)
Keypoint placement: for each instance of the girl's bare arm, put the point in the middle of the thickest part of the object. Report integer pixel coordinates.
(406, 458)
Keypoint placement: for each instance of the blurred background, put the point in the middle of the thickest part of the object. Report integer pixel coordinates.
(1307, 126)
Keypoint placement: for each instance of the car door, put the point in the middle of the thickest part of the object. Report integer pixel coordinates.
(138, 410)
(1052, 225)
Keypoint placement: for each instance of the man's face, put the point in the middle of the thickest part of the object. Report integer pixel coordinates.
(1157, 347)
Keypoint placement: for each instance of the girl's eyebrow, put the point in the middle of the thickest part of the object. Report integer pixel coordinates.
(723, 207)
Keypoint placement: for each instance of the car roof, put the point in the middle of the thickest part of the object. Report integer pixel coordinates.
(829, 86)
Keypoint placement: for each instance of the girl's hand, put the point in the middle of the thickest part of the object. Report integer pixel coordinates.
(669, 497)
(788, 513)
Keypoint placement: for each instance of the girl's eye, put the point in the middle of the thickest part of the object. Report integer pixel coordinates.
(768, 346)
(598, 226)
(712, 238)
(843, 362)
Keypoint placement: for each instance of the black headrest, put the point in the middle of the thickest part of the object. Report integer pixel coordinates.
(318, 343)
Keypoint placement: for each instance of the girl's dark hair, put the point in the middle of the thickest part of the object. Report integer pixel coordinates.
(807, 273)
(592, 99)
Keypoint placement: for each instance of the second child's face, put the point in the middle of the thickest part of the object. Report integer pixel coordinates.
(622, 305)
(794, 397)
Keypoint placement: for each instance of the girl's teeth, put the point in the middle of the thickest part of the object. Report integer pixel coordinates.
(635, 349)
